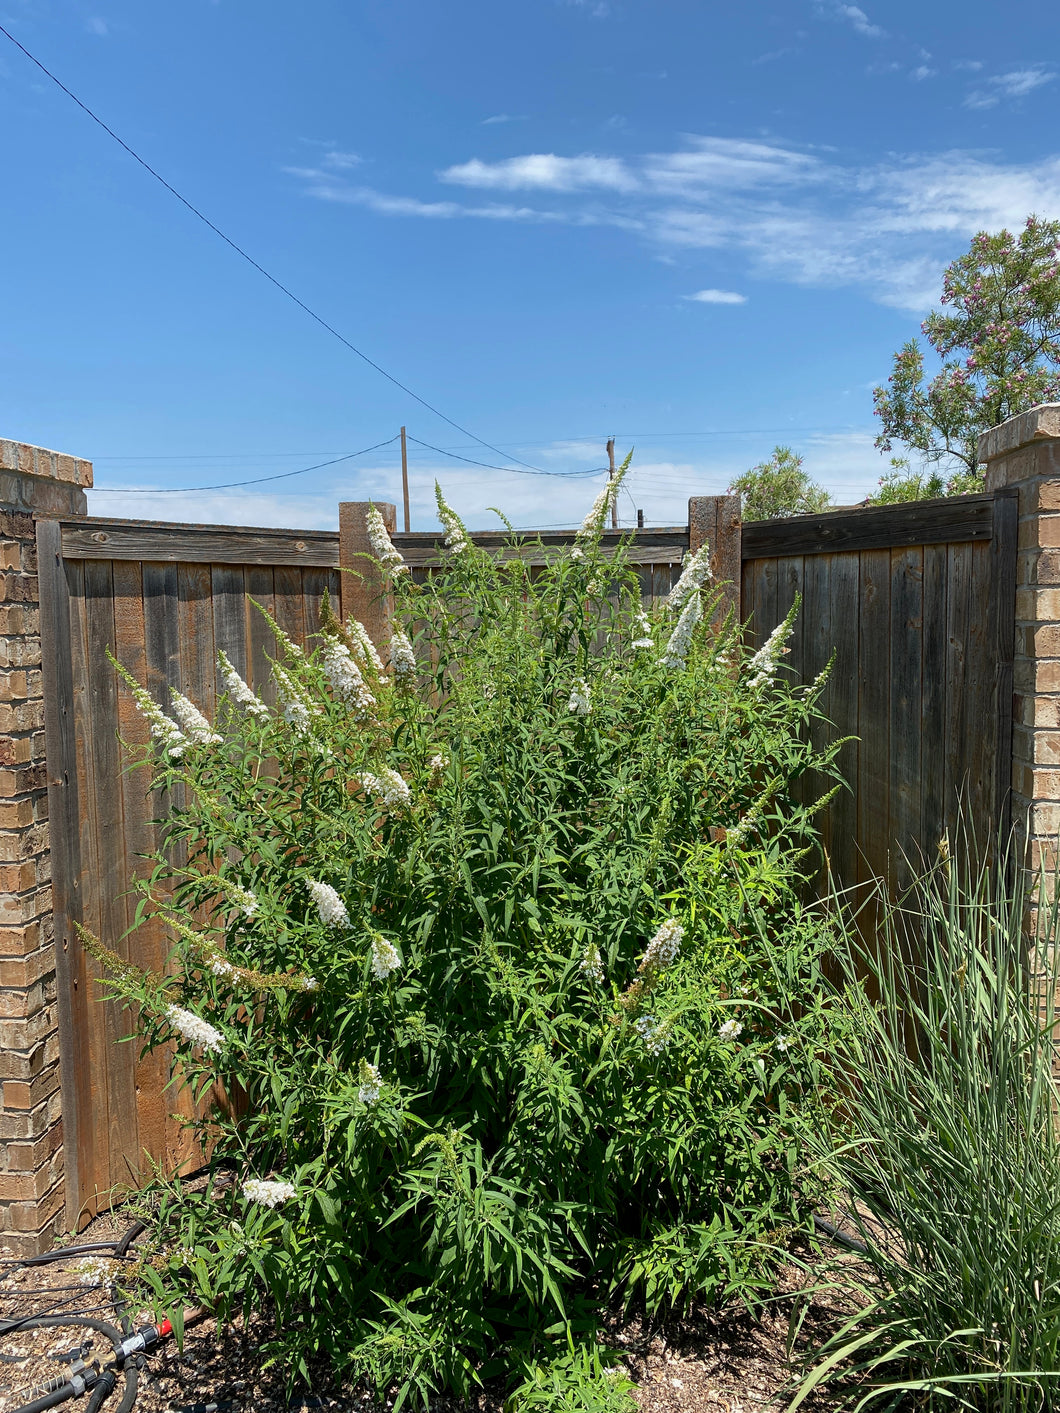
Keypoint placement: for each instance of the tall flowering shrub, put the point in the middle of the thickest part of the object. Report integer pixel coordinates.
(493, 939)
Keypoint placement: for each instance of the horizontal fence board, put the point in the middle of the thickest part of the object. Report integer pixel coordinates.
(97, 538)
(924, 522)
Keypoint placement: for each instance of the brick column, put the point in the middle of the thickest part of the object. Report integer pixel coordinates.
(32, 481)
(1024, 453)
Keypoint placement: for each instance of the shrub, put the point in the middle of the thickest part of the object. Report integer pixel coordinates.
(952, 1154)
(498, 951)
(780, 487)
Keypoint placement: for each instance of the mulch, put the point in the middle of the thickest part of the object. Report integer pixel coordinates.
(728, 1360)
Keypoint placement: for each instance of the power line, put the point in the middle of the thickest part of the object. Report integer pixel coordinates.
(250, 259)
(231, 485)
(563, 475)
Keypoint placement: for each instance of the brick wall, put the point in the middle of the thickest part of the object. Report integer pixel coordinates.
(31, 1187)
(1024, 453)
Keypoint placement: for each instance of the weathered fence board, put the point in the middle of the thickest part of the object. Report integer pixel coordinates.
(917, 602)
(164, 599)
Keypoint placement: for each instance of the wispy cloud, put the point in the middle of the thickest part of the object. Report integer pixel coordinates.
(717, 296)
(504, 118)
(98, 26)
(542, 171)
(803, 217)
(341, 161)
(922, 72)
(853, 15)
(1017, 83)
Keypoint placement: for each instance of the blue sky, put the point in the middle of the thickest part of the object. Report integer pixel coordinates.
(701, 227)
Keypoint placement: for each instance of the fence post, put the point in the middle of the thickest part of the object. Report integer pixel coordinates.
(362, 586)
(715, 521)
(1024, 454)
(41, 484)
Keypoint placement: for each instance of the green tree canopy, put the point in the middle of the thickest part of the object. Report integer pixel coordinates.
(779, 487)
(998, 336)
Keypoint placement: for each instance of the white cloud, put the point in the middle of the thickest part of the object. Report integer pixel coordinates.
(717, 296)
(970, 66)
(802, 217)
(504, 118)
(542, 171)
(922, 72)
(1015, 84)
(854, 15)
(341, 161)
(97, 26)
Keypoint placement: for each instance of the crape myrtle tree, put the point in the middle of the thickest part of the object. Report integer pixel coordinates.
(998, 336)
(779, 487)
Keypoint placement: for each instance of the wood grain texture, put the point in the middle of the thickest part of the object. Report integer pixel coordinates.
(925, 522)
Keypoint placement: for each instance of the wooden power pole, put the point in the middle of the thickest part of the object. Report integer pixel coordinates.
(405, 478)
(611, 477)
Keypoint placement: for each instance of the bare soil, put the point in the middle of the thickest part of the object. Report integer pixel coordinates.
(730, 1360)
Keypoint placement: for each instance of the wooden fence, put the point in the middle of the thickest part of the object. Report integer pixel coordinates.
(164, 599)
(915, 600)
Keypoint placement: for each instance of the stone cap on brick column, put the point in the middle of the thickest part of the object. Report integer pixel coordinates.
(48, 482)
(1039, 424)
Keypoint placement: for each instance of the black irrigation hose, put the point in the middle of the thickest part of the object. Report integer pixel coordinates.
(830, 1229)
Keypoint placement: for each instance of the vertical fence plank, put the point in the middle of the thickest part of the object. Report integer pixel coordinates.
(905, 670)
(844, 594)
(64, 814)
(874, 771)
(934, 697)
(958, 719)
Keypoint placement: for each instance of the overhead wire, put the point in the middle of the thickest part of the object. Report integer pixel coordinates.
(231, 485)
(562, 475)
(200, 215)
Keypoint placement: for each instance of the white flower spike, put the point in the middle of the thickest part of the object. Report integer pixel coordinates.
(194, 1029)
(330, 907)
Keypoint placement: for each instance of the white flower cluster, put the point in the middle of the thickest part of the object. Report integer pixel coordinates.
(402, 658)
(95, 1270)
(764, 663)
(655, 1035)
(388, 788)
(237, 689)
(268, 1193)
(295, 709)
(225, 970)
(456, 541)
(694, 575)
(243, 898)
(330, 907)
(383, 546)
(344, 678)
(385, 958)
(438, 763)
(579, 702)
(194, 1029)
(371, 1084)
(663, 948)
(197, 730)
(680, 639)
(577, 553)
(592, 963)
(593, 523)
(731, 1030)
(363, 645)
(163, 729)
(782, 1043)
(642, 627)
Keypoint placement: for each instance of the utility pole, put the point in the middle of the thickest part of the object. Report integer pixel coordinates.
(405, 478)
(611, 477)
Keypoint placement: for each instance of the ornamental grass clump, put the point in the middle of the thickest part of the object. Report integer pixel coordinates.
(520, 1016)
(950, 1149)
